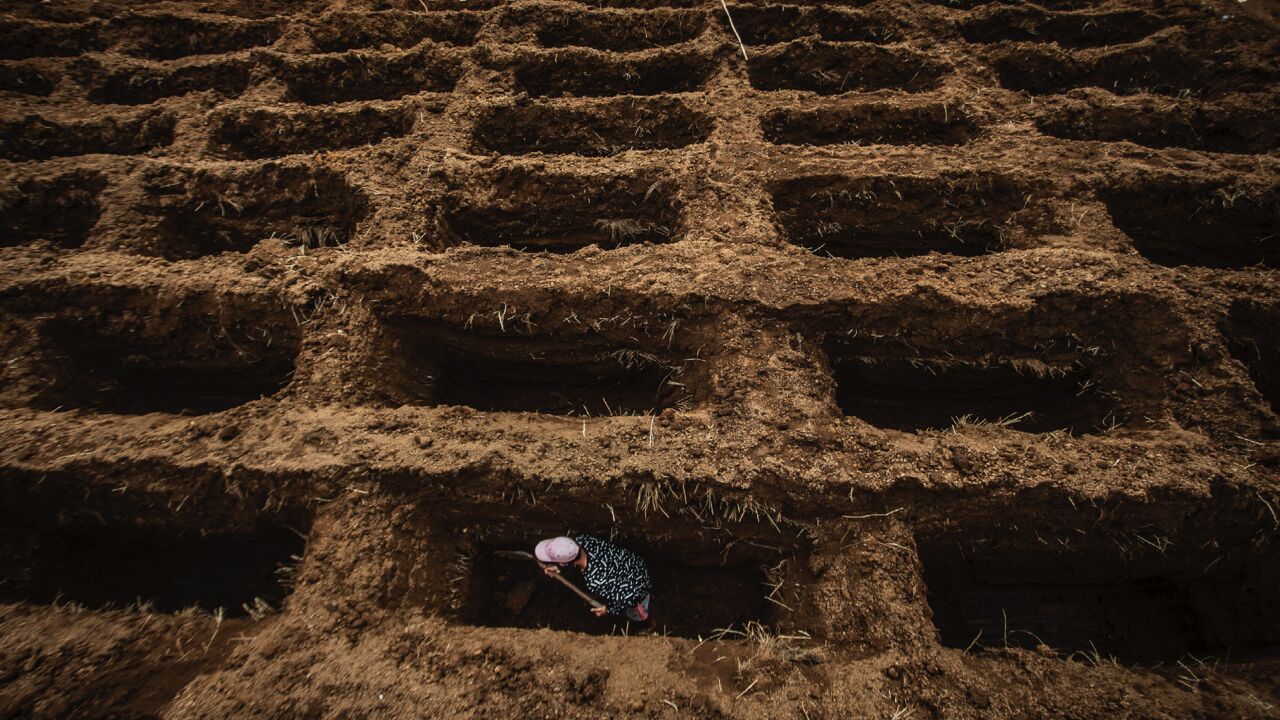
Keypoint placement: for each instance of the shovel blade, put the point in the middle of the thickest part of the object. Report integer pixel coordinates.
(516, 554)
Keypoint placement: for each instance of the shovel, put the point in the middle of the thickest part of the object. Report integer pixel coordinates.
(517, 554)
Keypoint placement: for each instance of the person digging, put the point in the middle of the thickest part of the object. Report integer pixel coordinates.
(615, 575)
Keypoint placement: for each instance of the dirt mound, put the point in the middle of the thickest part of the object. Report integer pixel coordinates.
(926, 351)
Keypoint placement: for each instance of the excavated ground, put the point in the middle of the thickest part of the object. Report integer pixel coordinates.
(928, 351)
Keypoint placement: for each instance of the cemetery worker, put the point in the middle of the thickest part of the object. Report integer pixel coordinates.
(615, 575)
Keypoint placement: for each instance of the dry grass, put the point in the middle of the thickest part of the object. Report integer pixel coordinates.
(458, 577)
(624, 230)
(969, 421)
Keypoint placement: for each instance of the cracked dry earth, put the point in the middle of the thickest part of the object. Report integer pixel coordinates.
(930, 355)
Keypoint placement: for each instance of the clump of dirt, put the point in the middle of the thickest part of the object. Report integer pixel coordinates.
(925, 352)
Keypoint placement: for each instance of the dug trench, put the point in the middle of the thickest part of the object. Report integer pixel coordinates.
(264, 133)
(617, 30)
(144, 360)
(1035, 374)
(595, 129)
(1221, 222)
(425, 363)
(871, 123)
(723, 567)
(896, 216)
(1252, 332)
(135, 588)
(192, 213)
(339, 31)
(697, 590)
(561, 213)
(925, 393)
(79, 540)
(61, 209)
(1146, 598)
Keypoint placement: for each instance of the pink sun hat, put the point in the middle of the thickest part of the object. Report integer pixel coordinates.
(556, 550)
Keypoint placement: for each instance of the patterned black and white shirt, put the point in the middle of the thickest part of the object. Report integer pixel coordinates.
(615, 575)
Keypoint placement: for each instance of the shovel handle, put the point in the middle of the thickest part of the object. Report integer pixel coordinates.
(519, 554)
(576, 591)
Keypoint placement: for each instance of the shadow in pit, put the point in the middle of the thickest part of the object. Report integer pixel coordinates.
(918, 392)
(1100, 604)
(72, 543)
(562, 213)
(170, 363)
(232, 210)
(61, 209)
(1205, 223)
(430, 364)
(966, 214)
(1252, 332)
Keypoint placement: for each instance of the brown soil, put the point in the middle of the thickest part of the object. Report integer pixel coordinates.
(930, 355)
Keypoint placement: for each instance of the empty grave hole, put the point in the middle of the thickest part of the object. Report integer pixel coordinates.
(1252, 331)
(141, 84)
(25, 79)
(269, 132)
(870, 124)
(1051, 4)
(1235, 128)
(770, 24)
(619, 30)
(163, 36)
(697, 589)
(180, 363)
(591, 73)
(1098, 602)
(439, 5)
(833, 68)
(896, 216)
(431, 364)
(37, 138)
(923, 392)
(256, 9)
(1174, 222)
(216, 212)
(562, 214)
(358, 75)
(1162, 69)
(341, 31)
(21, 39)
(596, 130)
(640, 4)
(106, 561)
(61, 209)
(1070, 30)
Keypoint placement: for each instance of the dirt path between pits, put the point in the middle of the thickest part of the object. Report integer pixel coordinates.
(928, 353)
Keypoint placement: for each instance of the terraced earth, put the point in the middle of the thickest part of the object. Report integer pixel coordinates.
(928, 351)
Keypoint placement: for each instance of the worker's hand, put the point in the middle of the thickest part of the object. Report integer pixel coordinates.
(599, 611)
(551, 569)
